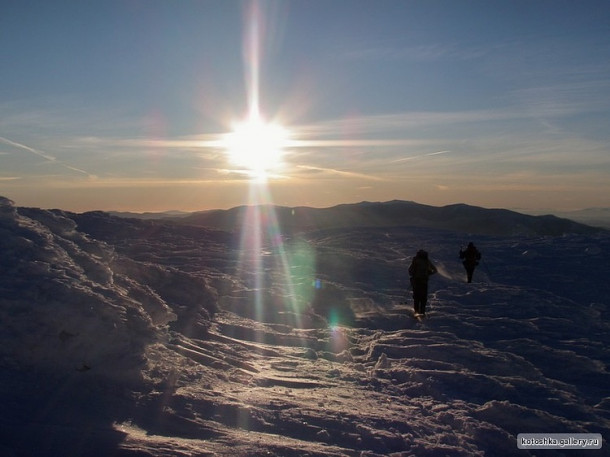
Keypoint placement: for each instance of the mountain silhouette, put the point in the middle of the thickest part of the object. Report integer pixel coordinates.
(458, 217)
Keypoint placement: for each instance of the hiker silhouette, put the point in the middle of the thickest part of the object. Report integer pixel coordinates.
(419, 271)
(470, 259)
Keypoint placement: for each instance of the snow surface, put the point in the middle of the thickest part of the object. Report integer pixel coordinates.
(142, 338)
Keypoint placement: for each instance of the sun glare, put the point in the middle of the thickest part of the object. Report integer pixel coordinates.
(257, 146)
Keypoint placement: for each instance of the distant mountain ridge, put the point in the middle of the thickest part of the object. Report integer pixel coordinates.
(149, 215)
(598, 217)
(456, 217)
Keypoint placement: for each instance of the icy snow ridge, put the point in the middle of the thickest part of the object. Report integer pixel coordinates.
(158, 326)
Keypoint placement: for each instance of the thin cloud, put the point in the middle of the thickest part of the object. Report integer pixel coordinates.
(342, 143)
(141, 182)
(347, 174)
(566, 99)
(358, 126)
(420, 156)
(422, 53)
(214, 141)
(43, 155)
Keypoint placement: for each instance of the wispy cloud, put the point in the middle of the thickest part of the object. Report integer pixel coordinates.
(65, 116)
(358, 126)
(422, 53)
(342, 173)
(404, 159)
(213, 141)
(117, 182)
(42, 154)
(565, 99)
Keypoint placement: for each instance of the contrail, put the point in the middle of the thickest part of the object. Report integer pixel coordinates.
(48, 157)
(419, 156)
(44, 155)
(341, 173)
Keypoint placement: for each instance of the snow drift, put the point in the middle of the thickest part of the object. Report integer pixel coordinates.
(70, 302)
(123, 337)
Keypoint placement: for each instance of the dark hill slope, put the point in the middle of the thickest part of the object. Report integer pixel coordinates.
(460, 217)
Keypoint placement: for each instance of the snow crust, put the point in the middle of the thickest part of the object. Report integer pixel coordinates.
(145, 338)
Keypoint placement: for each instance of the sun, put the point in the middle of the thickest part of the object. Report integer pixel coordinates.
(256, 146)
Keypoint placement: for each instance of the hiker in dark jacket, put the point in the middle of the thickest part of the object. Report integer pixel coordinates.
(470, 259)
(420, 270)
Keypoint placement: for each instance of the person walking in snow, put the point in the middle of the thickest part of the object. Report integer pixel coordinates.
(419, 271)
(470, 259)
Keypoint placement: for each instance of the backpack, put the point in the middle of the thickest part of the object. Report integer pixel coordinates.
(420, 267)
(471, 255)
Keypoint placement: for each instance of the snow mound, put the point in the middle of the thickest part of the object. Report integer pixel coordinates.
(71, 303)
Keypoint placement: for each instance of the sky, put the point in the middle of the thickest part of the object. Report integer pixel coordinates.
(134, 105)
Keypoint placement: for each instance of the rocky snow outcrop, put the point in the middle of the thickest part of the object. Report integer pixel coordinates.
(69, 302)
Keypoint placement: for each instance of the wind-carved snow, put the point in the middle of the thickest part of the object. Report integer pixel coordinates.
(156, 341)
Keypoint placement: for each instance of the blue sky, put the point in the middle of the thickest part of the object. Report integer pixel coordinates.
(120, 105)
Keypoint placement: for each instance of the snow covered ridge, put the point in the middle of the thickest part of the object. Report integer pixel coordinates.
(123, 337)
(70, 302)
